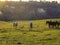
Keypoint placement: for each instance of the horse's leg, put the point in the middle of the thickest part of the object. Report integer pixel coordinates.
(55, 26)
(49, 26)
(52, 26)
(58, 26)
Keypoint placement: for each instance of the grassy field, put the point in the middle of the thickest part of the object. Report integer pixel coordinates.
(39, 35)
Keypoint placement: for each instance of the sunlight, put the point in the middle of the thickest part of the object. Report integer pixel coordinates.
(25, 0)
(32, 0)
(9, 0)
(2, 0)
(13, 0)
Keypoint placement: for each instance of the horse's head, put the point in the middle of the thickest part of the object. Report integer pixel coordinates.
(47, 22)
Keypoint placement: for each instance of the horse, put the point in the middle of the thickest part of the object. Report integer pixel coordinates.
(57, 24)
(51, 24)
(15, 24)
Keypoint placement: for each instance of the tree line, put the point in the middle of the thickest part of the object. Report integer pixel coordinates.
(10, 11)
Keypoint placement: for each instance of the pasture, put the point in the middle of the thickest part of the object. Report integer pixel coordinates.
(40, 34)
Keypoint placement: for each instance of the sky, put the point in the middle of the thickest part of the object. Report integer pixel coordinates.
(34, 0)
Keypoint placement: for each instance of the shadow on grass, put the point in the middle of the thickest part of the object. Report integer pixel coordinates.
(57, 28)
(29, 30)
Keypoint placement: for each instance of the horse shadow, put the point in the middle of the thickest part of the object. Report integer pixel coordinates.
(57, 28)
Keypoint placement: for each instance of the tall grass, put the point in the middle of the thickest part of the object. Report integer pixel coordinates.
(40, 34)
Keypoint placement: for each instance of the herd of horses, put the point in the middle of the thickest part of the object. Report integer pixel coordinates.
(53, 24)
(15, 24)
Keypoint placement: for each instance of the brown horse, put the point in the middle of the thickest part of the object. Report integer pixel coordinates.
(15, 24)
(53, 24)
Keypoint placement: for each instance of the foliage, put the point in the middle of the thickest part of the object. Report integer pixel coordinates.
(29, 10)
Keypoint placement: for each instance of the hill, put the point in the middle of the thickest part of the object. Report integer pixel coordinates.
(10, 11)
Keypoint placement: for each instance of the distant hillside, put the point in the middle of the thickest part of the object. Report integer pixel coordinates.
(29, 10)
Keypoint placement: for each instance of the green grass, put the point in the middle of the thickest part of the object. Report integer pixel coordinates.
(39, 35)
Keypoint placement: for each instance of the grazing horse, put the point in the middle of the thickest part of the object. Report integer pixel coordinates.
(51, 24)
(15, 24)
(57, 24)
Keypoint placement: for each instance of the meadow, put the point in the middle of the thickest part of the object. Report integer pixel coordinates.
(40, 34)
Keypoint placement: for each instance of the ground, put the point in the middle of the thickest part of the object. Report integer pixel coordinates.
(23, 35)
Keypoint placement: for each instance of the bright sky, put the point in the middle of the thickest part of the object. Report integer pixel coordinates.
(33, 0)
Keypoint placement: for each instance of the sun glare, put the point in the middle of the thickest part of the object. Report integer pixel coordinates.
(13, 0)
(25, 0)
(32, 0)
(2, 0)
(9, 0)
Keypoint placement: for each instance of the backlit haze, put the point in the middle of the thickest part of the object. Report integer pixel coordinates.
(33, 0)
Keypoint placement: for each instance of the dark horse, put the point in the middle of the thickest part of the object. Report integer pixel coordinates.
(53, 24)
